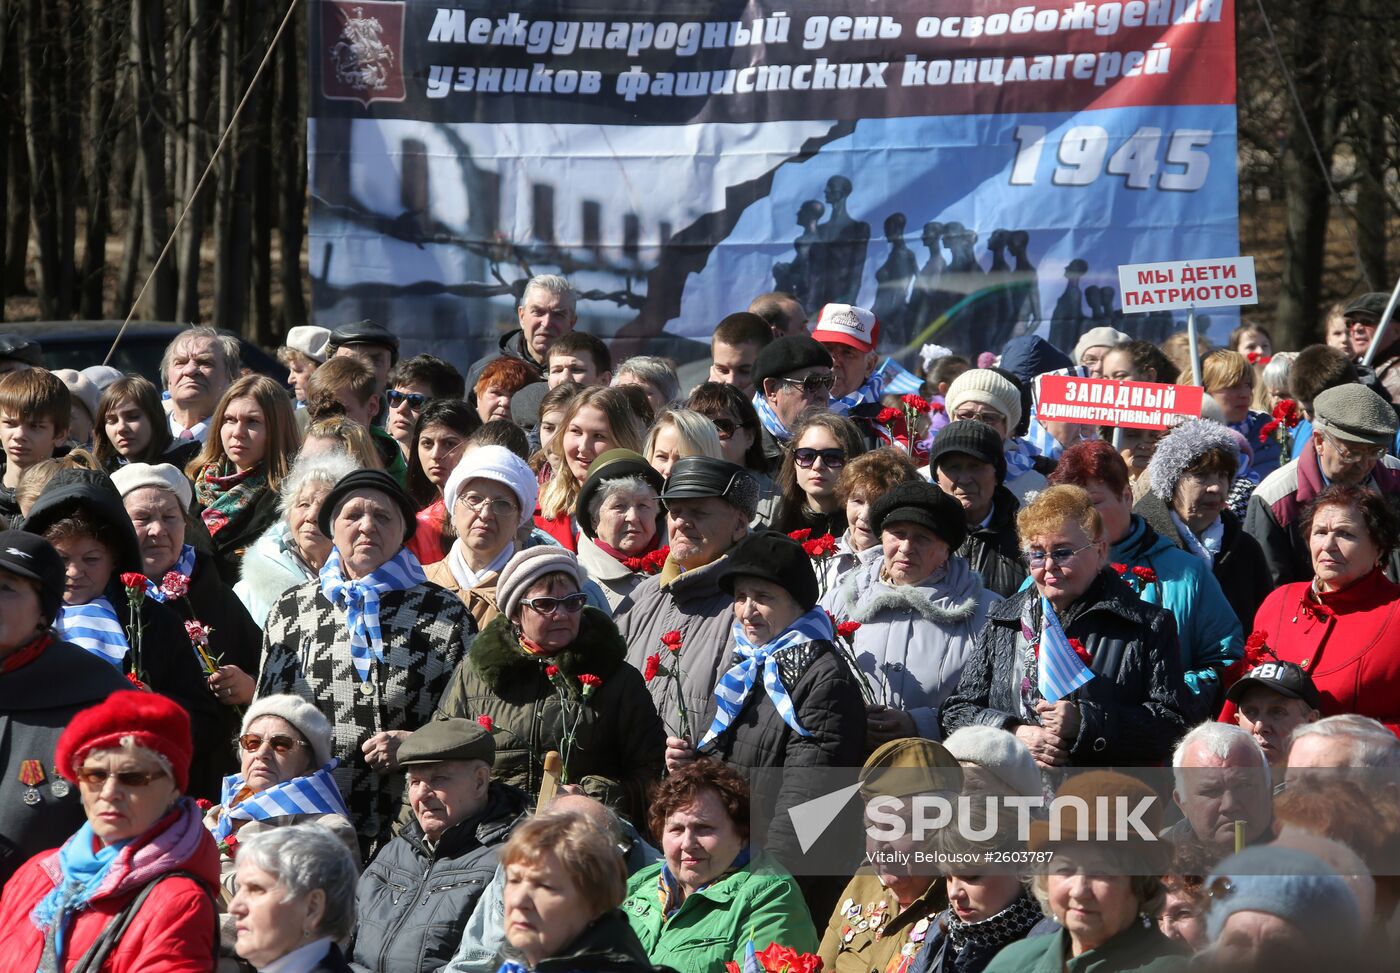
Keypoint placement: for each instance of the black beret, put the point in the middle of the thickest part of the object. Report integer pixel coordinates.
(615, 464)
(364, 333)
(788, 354)
(771, 556)
(923, 504)
(368, 480)
(976, 439)
(452, 739)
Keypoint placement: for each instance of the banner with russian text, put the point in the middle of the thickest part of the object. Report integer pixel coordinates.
(971, 170)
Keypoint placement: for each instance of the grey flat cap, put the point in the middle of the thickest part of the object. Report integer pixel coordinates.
(452, 739)
(1355, 414)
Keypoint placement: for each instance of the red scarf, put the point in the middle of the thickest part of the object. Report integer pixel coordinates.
(620, 556)
(22, 657)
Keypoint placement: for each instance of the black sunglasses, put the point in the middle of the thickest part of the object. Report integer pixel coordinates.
(548, 606)
(812, 384)
(415, 400)
(806, 457)
(725, 427)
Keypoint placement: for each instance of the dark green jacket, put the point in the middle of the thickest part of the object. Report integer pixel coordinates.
(620, 744)
(1137, 949)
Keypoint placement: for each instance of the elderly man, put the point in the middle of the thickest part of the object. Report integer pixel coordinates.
(850, 334)
(415, 898)
(709, 503)
(791, 375)
(1347, 740)
(968, 464)
(371, 343)
(198, 367)
(547, 311)
(1352, 429)
(1222, 778)
(1269, 703)
(369, 642)
(1362, 317)
(734, 347)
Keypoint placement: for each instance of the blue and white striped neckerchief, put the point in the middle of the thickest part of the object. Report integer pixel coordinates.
(95, 627)
(736, 684)
(359, 599)
(314, 793)
(1020, 457)
(183, 565)
(869, 392)
(770, 419)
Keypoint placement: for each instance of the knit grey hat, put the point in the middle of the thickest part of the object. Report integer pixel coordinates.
(1292, 885)
(1000, 754)
(307, 720)
(1183, 446)
(1355, 414)
(527, 567)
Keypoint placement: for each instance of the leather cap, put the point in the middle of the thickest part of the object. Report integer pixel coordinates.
(364, 333)
(21, 348)
(696, 477)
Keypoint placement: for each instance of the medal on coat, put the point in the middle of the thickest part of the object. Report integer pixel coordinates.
(31, 775)
(367, 688)
(59, 787)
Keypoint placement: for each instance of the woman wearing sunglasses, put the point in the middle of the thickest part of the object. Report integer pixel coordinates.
(1129, 712)
(284, 751)
(740, 440)
(133, 888)
(822, 444)
(525, 671)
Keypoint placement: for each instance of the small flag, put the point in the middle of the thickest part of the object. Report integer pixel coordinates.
(1061, 669)
(751, 963)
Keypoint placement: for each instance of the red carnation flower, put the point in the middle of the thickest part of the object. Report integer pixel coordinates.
(916, 403)
(847, 629)
(551, 671)
(203, 804)
(1267, 430)
(175, 585)
(1145, 575)
(888, 415)
(823, 546)
(486, 723)
(672, 640)
(1080, 651)
(801, 535)
(1120, 568)
(937, 407)
(134, 581)
(197, 631)
(588, 679)
(131, 678)
(653, 666)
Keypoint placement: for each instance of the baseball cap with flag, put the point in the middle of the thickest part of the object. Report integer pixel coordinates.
(846, 324)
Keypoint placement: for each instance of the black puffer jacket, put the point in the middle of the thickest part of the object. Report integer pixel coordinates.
(828, 704)
(994, 551)
(1240, 566)
(1131, 711)
(413, 901)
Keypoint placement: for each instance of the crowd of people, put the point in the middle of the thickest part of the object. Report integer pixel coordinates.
(393, 669)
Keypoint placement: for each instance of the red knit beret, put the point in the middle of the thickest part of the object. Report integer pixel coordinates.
(150, 720)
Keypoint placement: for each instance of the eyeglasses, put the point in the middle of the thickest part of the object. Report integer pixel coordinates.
(485, 505)
(572, 604)
(724, 426)
(832, 459)
(1353, 453)
(415, 400)
(126, 778)
(281, 743)
(812, 384)
(1060, 554)
(989, 418)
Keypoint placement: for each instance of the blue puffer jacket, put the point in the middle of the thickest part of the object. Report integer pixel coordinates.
(1210, 634)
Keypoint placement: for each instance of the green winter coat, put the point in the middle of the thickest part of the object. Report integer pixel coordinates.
(1137, 949)
(713, 926)
(621, 743)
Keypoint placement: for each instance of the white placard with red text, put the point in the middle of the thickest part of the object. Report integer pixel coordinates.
(1182, 284)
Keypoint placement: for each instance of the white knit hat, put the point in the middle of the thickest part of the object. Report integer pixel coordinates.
(310, 340)
(1101, 337)
(163, 476)
(985, 386)
(81, 388)
(500, 465)
(307, 719)
(999, 753)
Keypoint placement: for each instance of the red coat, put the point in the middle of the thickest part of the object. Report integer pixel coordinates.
(172, 932)
(1351, 647)
(561, 528)
(428, 543)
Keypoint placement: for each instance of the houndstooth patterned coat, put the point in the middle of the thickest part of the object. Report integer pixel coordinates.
(306, 652)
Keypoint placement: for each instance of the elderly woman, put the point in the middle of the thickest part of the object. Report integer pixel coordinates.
(156, 498)
(676, 433)
(1191, 473)
(292, 550)
(548, 662)
(1162, 573)
(822, 444)
(564, 881)
(1229, 378)
(619, 521)
(596, 420)
(919, 607)
(863, 481)
(789, 700)
(498, 383)
(711, 894)
(491, 496)
(656, 377)
(252, 438)
(295, 901)
(132, 889)
(369, 642)
(1105, 916)
(438, 441)
(1130, 711)
(1343, 627)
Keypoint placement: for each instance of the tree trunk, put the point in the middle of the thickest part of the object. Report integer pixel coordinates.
(131, 245)
(198, 145)
(291, 171)
(228, 285)
(148, 53)
(101, 56)
(39, 110)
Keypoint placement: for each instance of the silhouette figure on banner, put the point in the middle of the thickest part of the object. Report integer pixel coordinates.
(798, 276)
(844, 242)
(1023, 291)
(894, 279)
(963, 277)
(1067, 319)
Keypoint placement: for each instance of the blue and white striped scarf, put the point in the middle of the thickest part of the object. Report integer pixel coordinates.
(736, 684)
(770, 419)
(869, 392)
(95, 627)
(359, 599)
(183, 565)
(1020, 457)
(310, 794)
